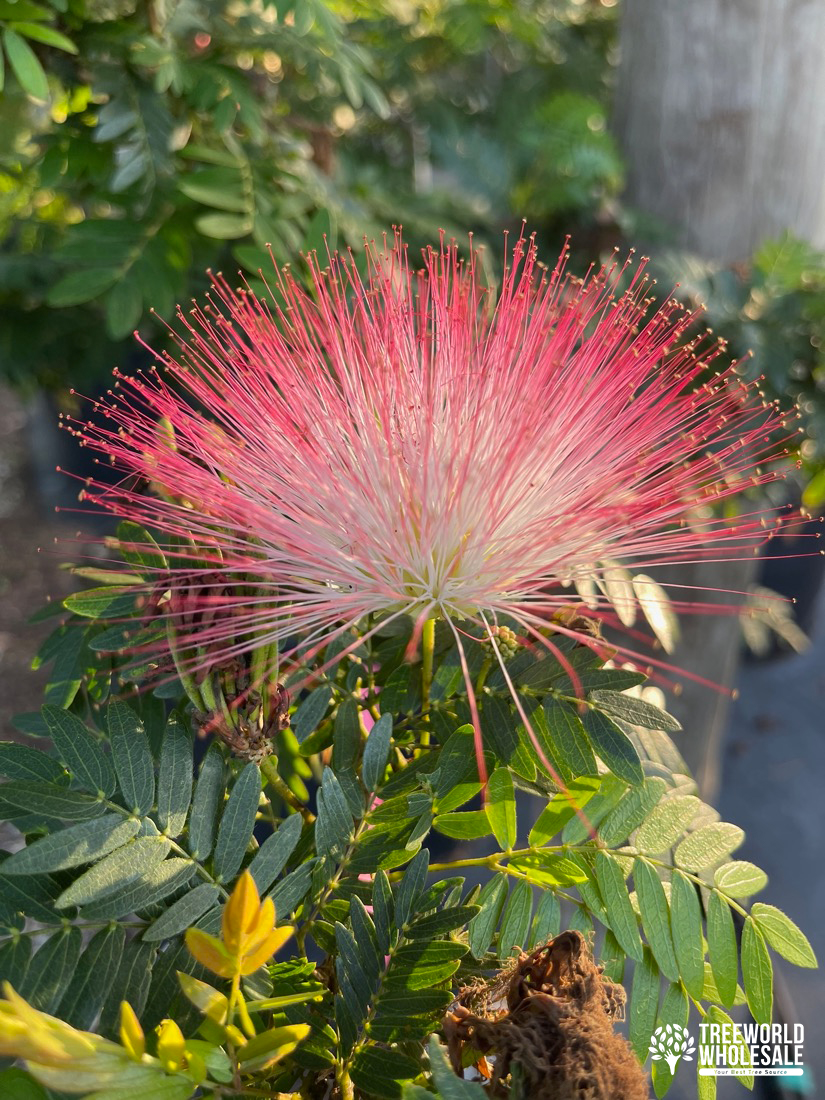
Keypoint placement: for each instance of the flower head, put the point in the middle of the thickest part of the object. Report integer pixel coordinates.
(408, 443)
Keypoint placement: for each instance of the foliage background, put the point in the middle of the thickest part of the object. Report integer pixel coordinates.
(142, 143)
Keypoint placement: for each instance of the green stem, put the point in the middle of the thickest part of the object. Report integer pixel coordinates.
(269, 770)
(697, 881)
(344, 1082)
(188, 682)
(482, 674)
(427, 650)
(85, 926)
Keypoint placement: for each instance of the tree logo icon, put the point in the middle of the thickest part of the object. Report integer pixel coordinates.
(672, 1043)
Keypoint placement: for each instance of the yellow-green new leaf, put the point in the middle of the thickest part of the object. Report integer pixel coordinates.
(501, 807)
(617, 900)
(783, 935)
(757, 973)
(271, 1046)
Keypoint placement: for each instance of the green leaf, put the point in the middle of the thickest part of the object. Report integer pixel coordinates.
(722, 950)
(467, 825)
(566, 741)
(739, 879)
(14, 1083)
(422, 965)
(66, 674)
(130, 983)
(813, 496)
(73, 290)
(123, 307)
(644, 1004)
(237, 823)
(708, 846)
(82, 753)
(715, 1015)
(655, 917)
(132, 758)
(273, 854)
(377, 1071)
(549, 869)
(15, 956)
(292, 889)
(516, 920)
(613, 746)
(32, 896)
(47, 35)
(501, 807)
(456, 777)
(383, 911)
(409, 1002)
(23, 762)
(183, 913)
(611, 880)
(757, 972)
(116, 870)
(440, 922)
(208, 797)
(175, 776)
(483, 925)
(320, 232)
(781, 933)
(70, 847)
(152, 887)
(686, 923)
(675, 1010)
(25, 66)
(633, 711)
(139, 548)
(224, 227)
(562, 808)
(52, 801)
(31, 723)
(109, 602)
(50, 971)
(705, 1088)
(28, 10)
(356, 968)
(333, 826)
(220, 187)
(365, 935)
(311, 712)
(667, 823)
(632, 810)
(346, 738)
(450, 1087)
(377, 752)
(547, 921)
(410, 888)
(92, 978)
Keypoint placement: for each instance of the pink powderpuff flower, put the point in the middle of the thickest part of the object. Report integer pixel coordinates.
(409, 443)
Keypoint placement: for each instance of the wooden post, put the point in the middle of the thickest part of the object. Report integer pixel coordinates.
(720, 110)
